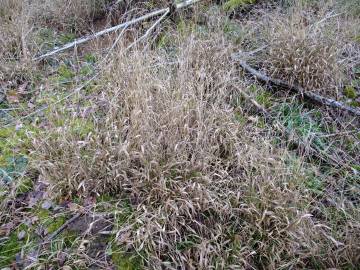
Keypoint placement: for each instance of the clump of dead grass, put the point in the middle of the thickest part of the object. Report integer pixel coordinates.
(75, 15)
(14, 26)
(206, 192)
(300, 52)
(306, 47)
(21, 23)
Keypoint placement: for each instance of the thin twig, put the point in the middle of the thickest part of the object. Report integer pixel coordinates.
(327, 17)
(147, 33)
(250, 53)
(112, 29)
(100, 33)
(348, 132)
(76, 90)
(297, 89)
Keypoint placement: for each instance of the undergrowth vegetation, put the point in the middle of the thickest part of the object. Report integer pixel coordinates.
(311, 48)
(162, 153)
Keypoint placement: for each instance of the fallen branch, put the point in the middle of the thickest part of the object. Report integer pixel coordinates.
(87, 82)
(297, 89)
(313, 149)
(35, 251)
(113, 29)
(62, 228)
(147, 33)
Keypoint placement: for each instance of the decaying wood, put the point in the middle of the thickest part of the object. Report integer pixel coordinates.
(298, 89)
(63, 227)
(113, 29)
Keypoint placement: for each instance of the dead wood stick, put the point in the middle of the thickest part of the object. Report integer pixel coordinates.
(147, 33)
(112, 29)
(100, 33)
(86, 83)
(259, 108)
(63, 227)
(36, 250)
(298, 89)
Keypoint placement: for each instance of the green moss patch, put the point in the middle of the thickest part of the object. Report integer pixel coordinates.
(125, 260)
(8, 250)
(231, 5)
(10, 246)
(295, 119)
(350, 92)
(65, 74)
(50, 222)
(14, 146)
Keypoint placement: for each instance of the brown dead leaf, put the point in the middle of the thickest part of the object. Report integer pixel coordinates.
(75, 207)
(22, 88)
(6, 229)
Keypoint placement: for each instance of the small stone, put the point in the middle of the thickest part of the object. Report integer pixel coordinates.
(46, 205)
(21, 235)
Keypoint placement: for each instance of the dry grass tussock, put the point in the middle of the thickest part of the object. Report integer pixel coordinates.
(313, 48)
(205, 192)
(23, 21)
(64, 14)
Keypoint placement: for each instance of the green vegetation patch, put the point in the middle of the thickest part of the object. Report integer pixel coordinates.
(14, 145)
(90, 58)
(15, 167)
(262, 96)
(315, 185)
(350, 92)
(10, 246)
(294, 119)
(231, 5)
(81, 127)
(189, 243)
(67, 37)
(124, 260)
(65, 74)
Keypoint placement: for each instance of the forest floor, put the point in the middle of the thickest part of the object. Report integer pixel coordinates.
(152, 147)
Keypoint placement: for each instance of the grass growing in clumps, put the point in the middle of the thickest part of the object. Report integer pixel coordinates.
(312, 49)
(172, 156)
(207, 193)
(302, 53)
